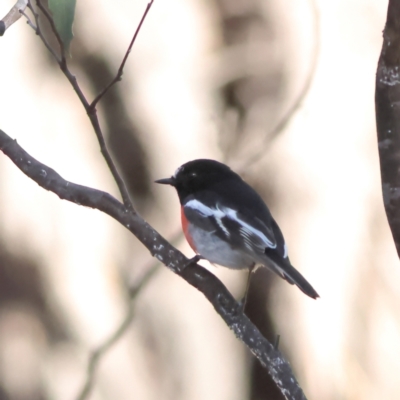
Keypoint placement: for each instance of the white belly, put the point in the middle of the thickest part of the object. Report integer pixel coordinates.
(216, 251)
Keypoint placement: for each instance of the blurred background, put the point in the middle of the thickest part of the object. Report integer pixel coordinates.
(209, 79)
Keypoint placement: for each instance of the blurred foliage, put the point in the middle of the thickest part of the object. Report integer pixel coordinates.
(63, 12)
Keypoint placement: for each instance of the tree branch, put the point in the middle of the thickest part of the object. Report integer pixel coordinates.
(13, 15)
(120, 72)
(387, 107)
(54, 30)
(200, 278)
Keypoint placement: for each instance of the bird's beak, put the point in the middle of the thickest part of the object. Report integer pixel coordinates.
(166, 181)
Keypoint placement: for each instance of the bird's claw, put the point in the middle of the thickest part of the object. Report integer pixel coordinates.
(193, 260)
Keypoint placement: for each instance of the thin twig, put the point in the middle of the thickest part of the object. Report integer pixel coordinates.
(39, 32)
(28, 20)
(120, 72)
(92, 112)
(54, 29)
(96, 355)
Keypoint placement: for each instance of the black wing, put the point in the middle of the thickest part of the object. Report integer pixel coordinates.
(245, 211)
(250, 235)
(240, 231)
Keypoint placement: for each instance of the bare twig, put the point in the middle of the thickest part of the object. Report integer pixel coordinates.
(38, 31)
(54, 30)
(28, 20)
(91, 111)
(13, 15)
(95, 357)
(218, 295)
(120, 72)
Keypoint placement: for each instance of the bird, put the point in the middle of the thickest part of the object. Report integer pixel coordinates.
(226, 222)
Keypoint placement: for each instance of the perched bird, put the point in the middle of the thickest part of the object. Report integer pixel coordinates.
(226, 222)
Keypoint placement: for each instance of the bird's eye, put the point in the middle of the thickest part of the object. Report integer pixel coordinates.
(190, 179)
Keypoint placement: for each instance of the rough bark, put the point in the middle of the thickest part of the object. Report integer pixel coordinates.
(387, 103)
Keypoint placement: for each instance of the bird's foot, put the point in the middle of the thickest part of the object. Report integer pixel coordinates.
(242, 305)
(243, 302)
(277, 340)
(193, 260)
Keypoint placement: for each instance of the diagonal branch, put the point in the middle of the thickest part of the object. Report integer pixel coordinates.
(120, 72)
(195, 275)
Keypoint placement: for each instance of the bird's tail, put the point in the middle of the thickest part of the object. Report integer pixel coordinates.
(294, 277)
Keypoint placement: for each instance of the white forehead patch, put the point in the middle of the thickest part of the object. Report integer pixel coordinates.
(178, 170)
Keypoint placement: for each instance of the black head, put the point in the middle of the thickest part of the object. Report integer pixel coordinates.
(198, 175)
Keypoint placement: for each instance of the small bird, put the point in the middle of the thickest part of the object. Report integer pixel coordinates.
(226, 222)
